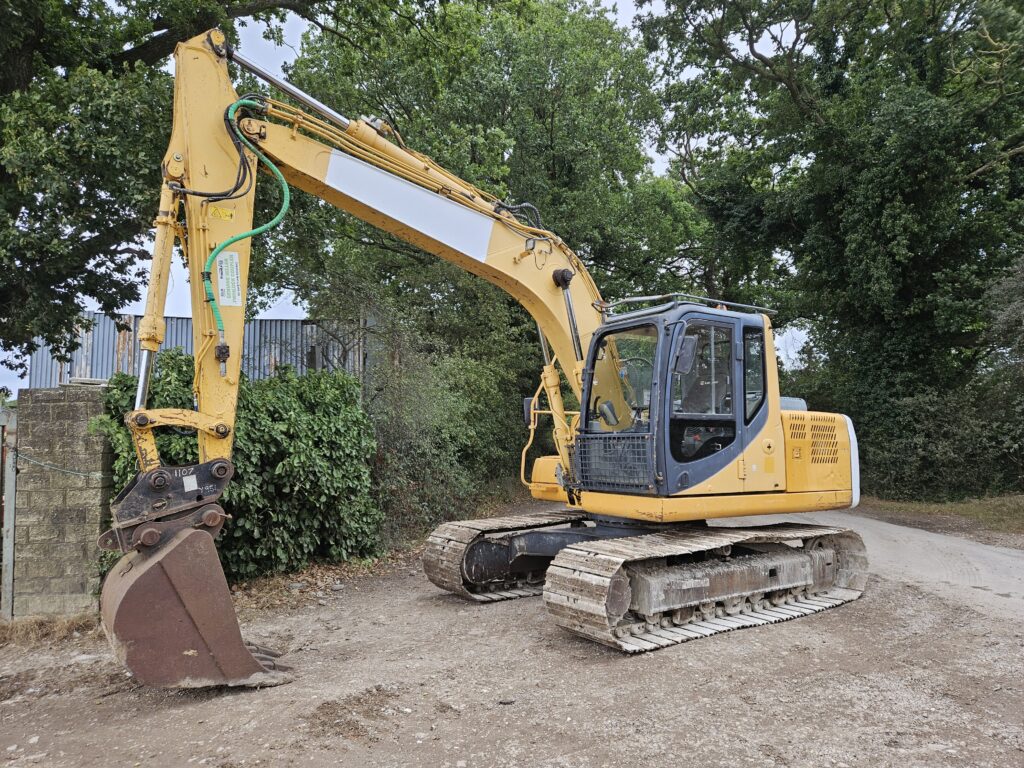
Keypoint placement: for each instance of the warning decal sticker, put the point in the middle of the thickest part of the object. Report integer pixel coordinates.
(229, 280)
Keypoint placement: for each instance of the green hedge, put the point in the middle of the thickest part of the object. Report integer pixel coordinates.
(946, 446)
(303, 447)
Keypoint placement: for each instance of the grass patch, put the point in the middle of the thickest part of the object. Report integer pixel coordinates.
(34, 630)
(1004, 514)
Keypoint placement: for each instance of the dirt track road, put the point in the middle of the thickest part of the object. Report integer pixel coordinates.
(926, 670)
(989, 578)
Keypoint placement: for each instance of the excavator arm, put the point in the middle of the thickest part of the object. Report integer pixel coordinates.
(165, 521)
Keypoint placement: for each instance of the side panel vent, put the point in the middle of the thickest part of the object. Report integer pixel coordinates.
(824, 440)
(797, 426)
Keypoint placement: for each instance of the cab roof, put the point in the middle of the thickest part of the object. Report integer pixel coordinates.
(675, 305)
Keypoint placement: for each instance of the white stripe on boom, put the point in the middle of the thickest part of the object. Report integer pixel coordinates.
(436, 217)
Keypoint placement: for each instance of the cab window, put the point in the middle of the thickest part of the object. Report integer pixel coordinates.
(702, 420)
(702, 381)
(622, 380)
(753, 371)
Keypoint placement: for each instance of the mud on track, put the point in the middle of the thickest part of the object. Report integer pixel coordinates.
(392, 672)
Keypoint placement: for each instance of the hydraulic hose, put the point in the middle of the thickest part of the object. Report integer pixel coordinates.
(285, 203)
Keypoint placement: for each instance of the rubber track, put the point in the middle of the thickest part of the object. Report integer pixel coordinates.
(447, 545)
(580, 577)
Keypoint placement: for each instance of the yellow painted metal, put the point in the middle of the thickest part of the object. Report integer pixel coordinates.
(142, 422)
(145, 448)
(304, 161)
(202, 93)
(200, 156)
(763, 459)
(544, 480)
(532, 427)
(817, 452)
(673, 509)
(152, 327)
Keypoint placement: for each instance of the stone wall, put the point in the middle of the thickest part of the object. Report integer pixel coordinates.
(62, 500)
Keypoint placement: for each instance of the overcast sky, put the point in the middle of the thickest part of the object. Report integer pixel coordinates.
(272, 56)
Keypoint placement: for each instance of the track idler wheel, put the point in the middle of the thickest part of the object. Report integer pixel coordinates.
(168, 614)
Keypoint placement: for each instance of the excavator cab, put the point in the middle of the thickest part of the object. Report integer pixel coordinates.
(680, 422)
(693, 381)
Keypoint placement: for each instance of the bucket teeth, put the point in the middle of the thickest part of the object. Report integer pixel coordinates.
(169, 617)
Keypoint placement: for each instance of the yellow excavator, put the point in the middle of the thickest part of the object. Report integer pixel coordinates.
(681, 420)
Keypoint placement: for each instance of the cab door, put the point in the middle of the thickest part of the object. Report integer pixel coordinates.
(704, 407)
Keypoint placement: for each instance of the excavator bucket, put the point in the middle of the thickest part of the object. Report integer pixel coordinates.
(168, 614)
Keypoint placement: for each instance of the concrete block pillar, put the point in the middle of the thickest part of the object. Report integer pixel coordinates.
(62, 501)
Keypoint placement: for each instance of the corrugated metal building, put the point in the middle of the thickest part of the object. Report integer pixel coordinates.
(107, 346)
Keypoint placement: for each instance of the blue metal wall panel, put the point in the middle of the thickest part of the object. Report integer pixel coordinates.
(179, 334)
(106, 349)
(44, 371)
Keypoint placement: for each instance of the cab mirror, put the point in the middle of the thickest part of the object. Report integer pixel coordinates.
(607, 412)
(685, 356)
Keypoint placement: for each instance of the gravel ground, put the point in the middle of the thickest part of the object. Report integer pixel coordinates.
(922, 671)
(955, 525)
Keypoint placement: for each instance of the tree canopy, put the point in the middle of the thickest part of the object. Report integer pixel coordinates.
(873, 150)
(551, 104)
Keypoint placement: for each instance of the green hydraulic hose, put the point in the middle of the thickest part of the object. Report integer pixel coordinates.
(285, 202)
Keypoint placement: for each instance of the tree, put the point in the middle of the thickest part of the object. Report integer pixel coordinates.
(85, 114)
(875, 151)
